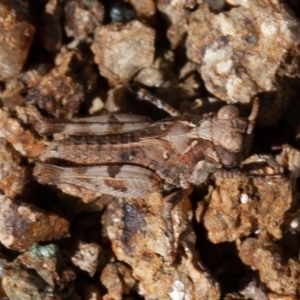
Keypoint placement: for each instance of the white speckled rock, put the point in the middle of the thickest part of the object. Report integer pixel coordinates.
(240, 51)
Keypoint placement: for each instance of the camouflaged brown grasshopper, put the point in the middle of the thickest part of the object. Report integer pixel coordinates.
(132, 156)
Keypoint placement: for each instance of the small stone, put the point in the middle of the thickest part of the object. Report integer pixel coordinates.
(131, 48)
(22, 225)
(16, 34)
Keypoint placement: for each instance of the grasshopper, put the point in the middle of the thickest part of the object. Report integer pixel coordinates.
(132, 156)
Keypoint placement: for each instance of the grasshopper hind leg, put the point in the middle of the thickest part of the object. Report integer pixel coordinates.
(170, 203)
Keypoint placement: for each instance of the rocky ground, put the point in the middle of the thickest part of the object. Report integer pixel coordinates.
(233, 238)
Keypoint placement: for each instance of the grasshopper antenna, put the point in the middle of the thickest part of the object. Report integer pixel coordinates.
(145, 95)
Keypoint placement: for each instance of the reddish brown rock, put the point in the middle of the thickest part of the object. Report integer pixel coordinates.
(22, 225)
(16, 34)
(238, 207)
(141, 238)
(118, 280)
(23, 140)
(13, 177)
(61, 91)
(279, 274)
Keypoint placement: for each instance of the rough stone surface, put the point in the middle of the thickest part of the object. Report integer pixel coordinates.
(176, 16)
(279, 274)
(21, 139)
(50, 32)
(240, 51)
(82, 17)
(236, 236)
(39, 274)
(86, 257)
(118, 280)
(140, 238)
(13, 177)
(22, 225)
(16, 34)
(61, 91)
(131, 47)
(238, 207)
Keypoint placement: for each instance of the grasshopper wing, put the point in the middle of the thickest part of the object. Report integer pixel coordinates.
(117, 180)
(99, 125)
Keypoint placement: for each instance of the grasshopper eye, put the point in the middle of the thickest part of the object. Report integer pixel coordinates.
(228, 112)
(232, 141)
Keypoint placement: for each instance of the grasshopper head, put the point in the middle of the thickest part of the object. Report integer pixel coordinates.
(232, 135)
